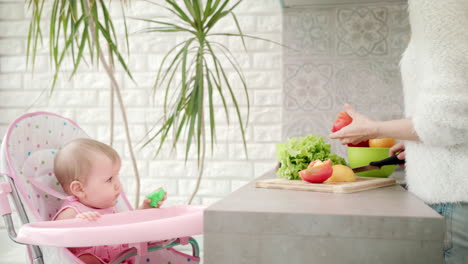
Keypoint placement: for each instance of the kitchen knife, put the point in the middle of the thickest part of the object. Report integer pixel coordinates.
(376, 165)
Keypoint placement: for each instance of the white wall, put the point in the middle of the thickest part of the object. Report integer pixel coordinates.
(85, 99)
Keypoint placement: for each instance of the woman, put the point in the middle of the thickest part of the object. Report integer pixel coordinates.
(434, 70)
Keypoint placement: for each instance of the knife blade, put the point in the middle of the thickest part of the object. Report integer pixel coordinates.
(377, 165)
(365, 168)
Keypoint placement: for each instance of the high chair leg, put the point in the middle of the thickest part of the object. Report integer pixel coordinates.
(130, 252)
(195, 248)
(8, 188)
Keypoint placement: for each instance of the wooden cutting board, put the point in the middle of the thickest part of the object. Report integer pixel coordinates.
(361, 184)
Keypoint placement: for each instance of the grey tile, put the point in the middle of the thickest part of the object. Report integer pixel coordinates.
(362, 31)
(370, 86)
(398, 16)
(300, 123)
(308, 86)
(308, 31)
(399, 27)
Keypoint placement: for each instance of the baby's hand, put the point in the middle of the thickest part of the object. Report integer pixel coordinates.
(91, 216)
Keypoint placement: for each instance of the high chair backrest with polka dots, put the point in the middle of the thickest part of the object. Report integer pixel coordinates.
(28, 152)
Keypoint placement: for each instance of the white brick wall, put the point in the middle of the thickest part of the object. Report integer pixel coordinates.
(85, 99)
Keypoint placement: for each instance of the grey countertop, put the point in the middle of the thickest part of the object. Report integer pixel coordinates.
(269, 226)
(386, 201)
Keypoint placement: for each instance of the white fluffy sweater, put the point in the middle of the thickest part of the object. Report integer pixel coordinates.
(435, 82)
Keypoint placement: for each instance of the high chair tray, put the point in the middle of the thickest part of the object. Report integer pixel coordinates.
(120, 228)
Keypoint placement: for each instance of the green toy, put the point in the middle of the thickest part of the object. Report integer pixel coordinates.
(156, 197)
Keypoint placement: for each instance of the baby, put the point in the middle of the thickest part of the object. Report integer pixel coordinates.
(88, 171)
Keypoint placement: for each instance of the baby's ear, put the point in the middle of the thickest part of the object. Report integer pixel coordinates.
(76, 188)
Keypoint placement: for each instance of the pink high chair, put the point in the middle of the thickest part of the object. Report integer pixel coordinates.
(26, 161)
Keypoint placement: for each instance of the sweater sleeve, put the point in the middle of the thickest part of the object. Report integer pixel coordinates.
(441, 111)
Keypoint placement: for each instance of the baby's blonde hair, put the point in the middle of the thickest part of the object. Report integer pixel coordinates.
(73, 161)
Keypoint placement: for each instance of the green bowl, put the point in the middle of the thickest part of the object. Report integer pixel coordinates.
(358, 157)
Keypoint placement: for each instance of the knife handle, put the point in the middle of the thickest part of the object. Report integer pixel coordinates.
(393, 160)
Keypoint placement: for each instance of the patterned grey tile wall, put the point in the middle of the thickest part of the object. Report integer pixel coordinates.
(341, 54)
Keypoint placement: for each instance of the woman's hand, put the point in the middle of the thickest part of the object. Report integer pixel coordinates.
(360, 129)
(400, 149)
(91, 216)
(145, 204)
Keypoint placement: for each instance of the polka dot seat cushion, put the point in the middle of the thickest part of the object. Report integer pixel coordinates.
(31, 145)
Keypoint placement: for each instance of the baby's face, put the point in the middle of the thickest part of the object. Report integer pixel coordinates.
(102, 186)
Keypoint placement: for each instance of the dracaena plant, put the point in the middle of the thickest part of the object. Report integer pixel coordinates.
(82, 30)
(200, 63)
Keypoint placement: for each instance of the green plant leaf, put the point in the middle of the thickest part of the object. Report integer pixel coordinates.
(81, 48)
(235, 64)
(217, 79)
(236, 106)
(249, 36)
(207, 11)
(239, 29)
(158, 81)
(211, 107)
(69, 33)
(179, 12)
(191, 10)
(184, 67)
(171, 26)
(113, 48)
(217, 15)
(126, 31)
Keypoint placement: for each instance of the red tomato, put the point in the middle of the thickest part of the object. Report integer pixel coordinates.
(342, 120)
(363, 144)
(317, 171)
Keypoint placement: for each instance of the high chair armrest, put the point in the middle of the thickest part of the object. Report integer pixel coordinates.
(5, 189)
(120, 228)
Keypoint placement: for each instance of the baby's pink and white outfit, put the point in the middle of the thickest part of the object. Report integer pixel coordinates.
(104, 253)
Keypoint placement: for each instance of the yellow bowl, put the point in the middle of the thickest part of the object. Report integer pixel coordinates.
(358, 157)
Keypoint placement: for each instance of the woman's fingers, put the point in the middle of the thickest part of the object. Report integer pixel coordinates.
(398, 147)
(351, 140)
(341, 134)
(402, 155)
(360, 129)
(350, 110)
